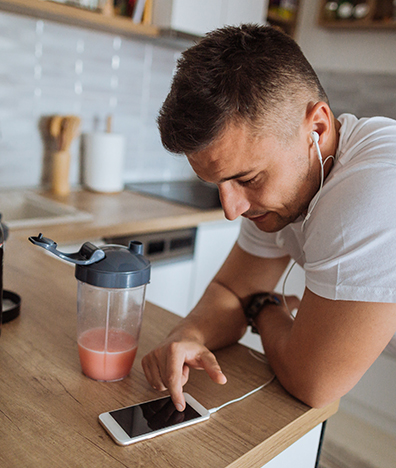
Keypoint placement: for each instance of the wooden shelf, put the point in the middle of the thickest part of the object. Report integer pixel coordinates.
(378, 18)
(344, 24)
(78, 17)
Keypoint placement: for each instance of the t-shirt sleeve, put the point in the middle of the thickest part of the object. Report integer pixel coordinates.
(259, 243)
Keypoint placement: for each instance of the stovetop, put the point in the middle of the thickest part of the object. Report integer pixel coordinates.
(193, 193)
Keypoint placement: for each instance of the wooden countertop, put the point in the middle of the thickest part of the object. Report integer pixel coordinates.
(121, 214)
(49, 410)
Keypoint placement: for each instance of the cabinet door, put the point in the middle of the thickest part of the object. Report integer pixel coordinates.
(170, 286)
(248, 11)
(302, 454)
(213, 243)
(200, 16)
(196, 16)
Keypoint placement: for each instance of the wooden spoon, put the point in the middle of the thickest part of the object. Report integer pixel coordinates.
(69, 130)
(55, 126)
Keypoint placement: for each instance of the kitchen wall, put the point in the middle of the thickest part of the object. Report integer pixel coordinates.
(370, 51)
(47, 68)
(357, 68)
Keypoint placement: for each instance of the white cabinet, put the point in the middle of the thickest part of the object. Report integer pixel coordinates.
(213, 243)
(302, 454)
(200, 16)
(170, 286)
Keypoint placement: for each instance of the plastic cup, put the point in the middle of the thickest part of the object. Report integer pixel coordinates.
(108, 328)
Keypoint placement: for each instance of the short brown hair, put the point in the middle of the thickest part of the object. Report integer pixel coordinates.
(234, 74)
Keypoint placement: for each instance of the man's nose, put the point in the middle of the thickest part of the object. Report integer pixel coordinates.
(233, 201)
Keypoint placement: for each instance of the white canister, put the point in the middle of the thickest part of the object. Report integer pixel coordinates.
(103, 162)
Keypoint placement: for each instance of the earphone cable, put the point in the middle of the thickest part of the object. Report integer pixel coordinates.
(322, 164)
(214, 410)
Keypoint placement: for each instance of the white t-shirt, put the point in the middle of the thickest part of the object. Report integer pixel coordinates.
(348, 245)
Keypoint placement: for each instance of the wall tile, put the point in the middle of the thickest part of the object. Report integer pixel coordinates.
(48, 69)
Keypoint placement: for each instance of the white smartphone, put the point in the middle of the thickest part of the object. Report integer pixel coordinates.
(151, 418)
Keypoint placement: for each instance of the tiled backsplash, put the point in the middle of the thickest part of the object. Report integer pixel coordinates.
(47, 68)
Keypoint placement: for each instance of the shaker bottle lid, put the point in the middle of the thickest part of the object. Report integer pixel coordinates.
(110, 266)
(122, 267)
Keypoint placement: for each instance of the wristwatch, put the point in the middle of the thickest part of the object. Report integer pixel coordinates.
(256, 305)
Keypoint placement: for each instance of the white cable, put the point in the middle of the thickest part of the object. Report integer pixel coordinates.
(257, 355)
(322, 164)
(214, 410)
(284, 288)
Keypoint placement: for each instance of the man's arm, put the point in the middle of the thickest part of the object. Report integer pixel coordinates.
(217, 321)
(318, 357)
(324, 352)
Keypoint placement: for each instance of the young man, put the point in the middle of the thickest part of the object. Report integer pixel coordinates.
(248, 111)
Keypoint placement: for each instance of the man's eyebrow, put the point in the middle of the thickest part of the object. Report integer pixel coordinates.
(236, 176)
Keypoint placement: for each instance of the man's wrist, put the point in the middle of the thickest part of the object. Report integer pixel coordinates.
(257, 303)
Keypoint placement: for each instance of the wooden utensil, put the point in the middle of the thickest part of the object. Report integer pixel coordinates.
(109, 123)
(64, 130)
(55, 125)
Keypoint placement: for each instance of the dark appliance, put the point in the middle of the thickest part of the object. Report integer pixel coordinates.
(195, 193)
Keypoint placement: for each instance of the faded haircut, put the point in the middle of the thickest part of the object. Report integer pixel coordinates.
(248, 74)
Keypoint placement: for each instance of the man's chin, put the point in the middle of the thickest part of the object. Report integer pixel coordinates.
(271, 222)
(266, 228)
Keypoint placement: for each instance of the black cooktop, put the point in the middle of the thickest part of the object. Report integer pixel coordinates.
(187, 192)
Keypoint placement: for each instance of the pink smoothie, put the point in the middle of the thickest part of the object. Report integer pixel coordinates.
(115, 362)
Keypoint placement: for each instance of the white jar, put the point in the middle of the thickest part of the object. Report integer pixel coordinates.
(103, 162)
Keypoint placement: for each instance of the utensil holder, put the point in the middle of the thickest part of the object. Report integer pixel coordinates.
(60, 183)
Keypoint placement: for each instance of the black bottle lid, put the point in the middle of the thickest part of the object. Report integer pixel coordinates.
(122, 267)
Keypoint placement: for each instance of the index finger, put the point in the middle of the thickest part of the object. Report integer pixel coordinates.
(174, 370)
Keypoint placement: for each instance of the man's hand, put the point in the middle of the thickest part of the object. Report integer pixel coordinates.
(215, 322)
(167, 367)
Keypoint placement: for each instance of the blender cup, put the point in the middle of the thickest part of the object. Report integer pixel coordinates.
(110, 301)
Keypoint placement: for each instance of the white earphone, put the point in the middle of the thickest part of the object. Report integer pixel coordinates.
(315, 139)
(315, 136)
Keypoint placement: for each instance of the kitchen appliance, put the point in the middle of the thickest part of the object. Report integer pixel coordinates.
(195, 193)
(1, 271)
(10, 303)
(110, 300)
(169, 246)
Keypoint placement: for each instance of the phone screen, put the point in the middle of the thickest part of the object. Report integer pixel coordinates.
(151, 416)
